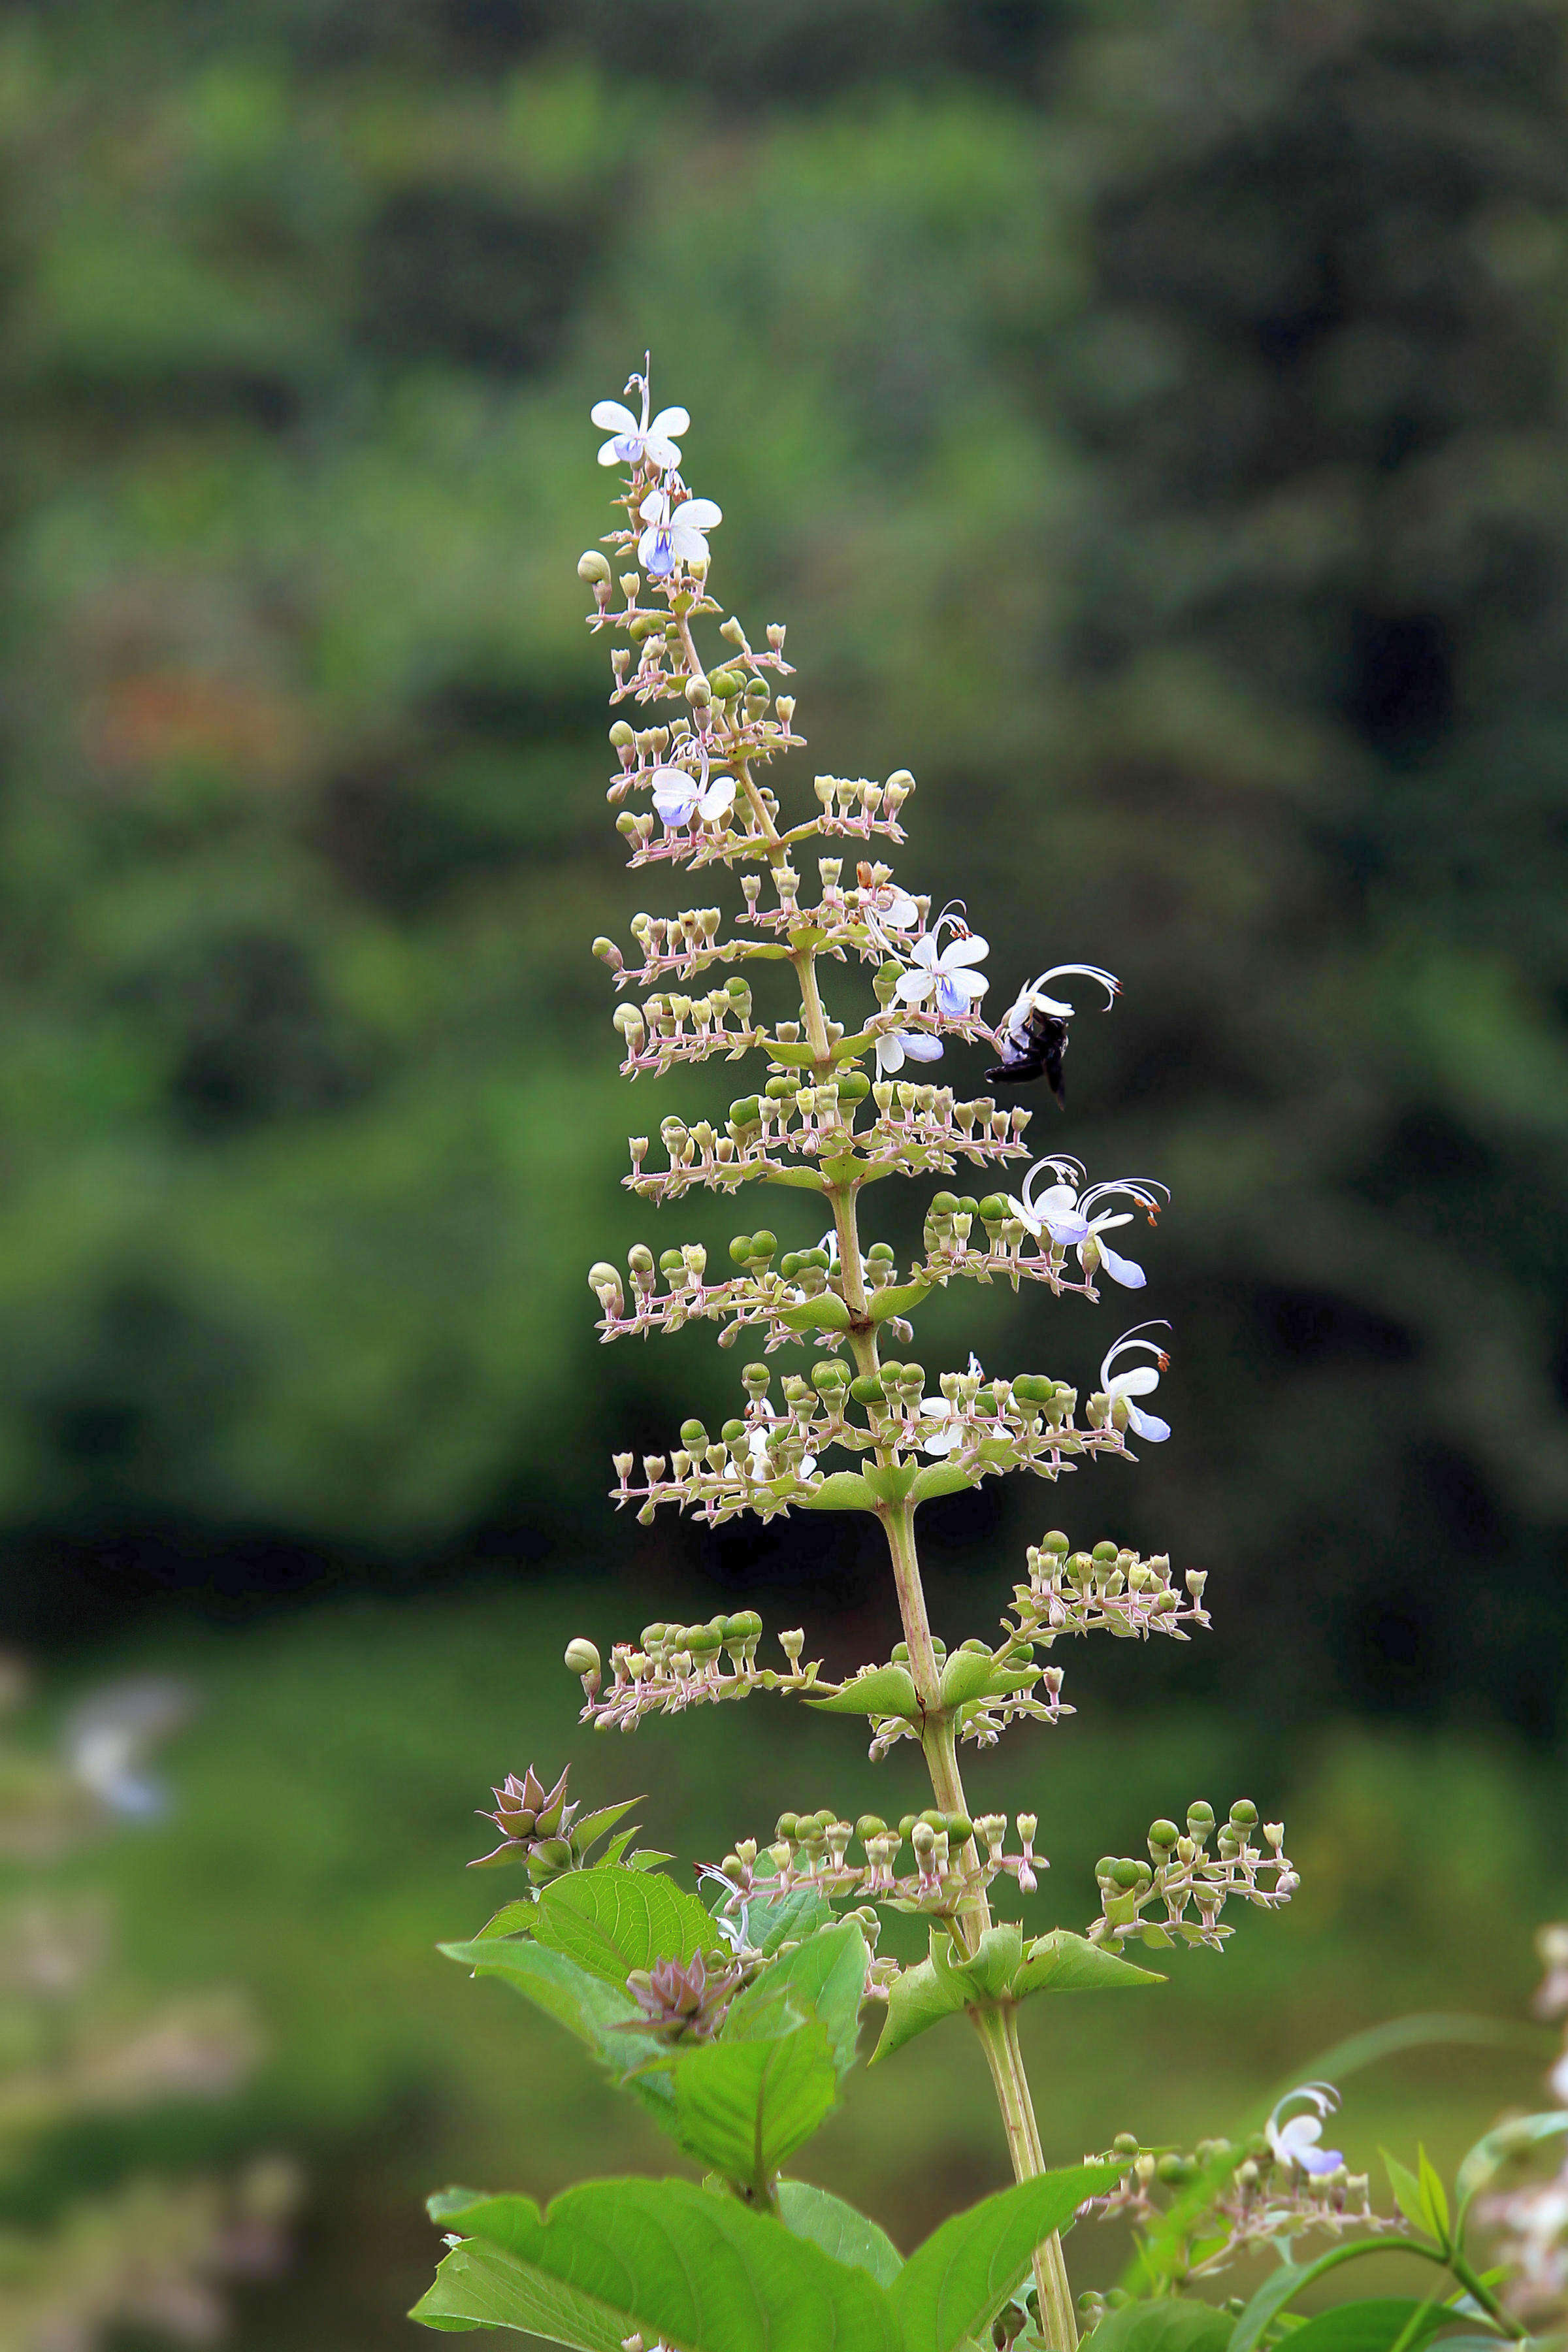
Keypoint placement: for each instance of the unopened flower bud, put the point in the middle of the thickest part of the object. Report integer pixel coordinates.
(791, 1645)
(582, 1657)
(592, 568)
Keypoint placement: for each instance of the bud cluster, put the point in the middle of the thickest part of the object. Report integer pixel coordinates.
(1110, 1587)
(768, 1461)
(1255, 2197)
(1182, 1876)
(950, 1859)
(539, 1828)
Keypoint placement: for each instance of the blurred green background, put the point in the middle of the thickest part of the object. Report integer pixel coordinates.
(1151, 418)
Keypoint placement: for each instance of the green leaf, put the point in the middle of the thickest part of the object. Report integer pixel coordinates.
(1271, 2297)
(825, 1313)
(845, 1490)
(583, 2003)
(941, 1478)
(994, 1963)
(612, 1921)
(1061, 1962)
(1433, 2196)
(745, 2106)
(1496, 2147)
(1371, 2326)
(968, 1673)
(595, 1825)
(611, 2258)
(954, 2284)
(1164, 2324)
(848, 2236)
(897, 1298)
(886, 1690)
(918, 1999)
(1408, 2193)
(824, 1977)
(890, 1481)
(512, 1919)
(773, 1921)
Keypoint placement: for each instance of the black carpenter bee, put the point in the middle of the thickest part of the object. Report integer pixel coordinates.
(1034, 1036)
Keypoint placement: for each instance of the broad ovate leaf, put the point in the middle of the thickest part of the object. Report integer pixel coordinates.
(662, 2258)
(953, 2287)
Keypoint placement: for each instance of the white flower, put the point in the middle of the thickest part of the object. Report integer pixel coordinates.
(1140, 1381)
(1296, 2142)
(1141, 1190)
(1054, 1209)
(675, 534)
(944, 972)
(1032, 998)
(888, 909)
(951, 1433)
(109, 1735)
(897, 1047)
(678, 797)
(632, 438)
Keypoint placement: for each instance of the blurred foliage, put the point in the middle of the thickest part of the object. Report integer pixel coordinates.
(317, 1848)
(91, 2249)
(1151, 420)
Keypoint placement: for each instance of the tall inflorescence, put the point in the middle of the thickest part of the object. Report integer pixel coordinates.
(844, 1104)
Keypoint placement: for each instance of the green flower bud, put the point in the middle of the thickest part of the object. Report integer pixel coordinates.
(726, 683)
(581, 1656)
(945, 1204)
(592, 568)
(1164, 1833)
(1104, 1551)
(1055, 1540)
(693, 1436)
(763, 1245)
(871, 1825)
(639, 1257)
(854, 1086)
(1244, 1813)
(699, 693)
(740, 1248)
(622, 736)
(734, 1432)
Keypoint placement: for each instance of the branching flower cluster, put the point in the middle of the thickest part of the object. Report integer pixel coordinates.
(849, 1096)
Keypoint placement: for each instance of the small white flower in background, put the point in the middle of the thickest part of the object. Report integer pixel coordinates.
(1052, 1208)
(678, 797)
(733, 1924)
(1140, 1381)
(632, 438)
(888, 909)
(1141, 1190)
(1295, 2141)
(942, 1440)
(675, 533)
(897, 1047)
(943, 971)
(1032, 997)
(109, 1736)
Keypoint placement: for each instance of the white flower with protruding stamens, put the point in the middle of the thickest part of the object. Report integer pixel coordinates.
(634, 439)
(944, 972)
(1296, 2141)
(1142, 1380)
(1032, 997)
(897, 1047)
(951, 1417)
(679, 796)
(1053, 1208)
(1140, 1189)
(674, 534)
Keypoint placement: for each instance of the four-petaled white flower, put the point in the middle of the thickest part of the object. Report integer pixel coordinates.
(944, 972)
(674, 534)
(632, 438)
(897, 1047)
(951, 1417)
(1296, 2141)
(679, 796)
(1140, 1381)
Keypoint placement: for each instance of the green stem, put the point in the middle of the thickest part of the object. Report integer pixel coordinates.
(1451, 2261)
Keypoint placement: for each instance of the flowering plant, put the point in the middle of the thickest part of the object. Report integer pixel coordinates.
(733, 2019)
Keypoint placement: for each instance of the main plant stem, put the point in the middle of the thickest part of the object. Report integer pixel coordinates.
(997, 2023)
